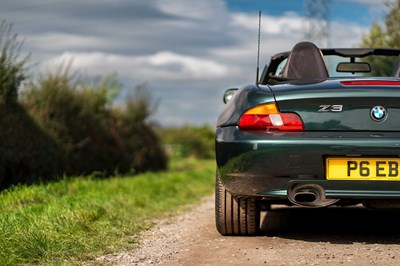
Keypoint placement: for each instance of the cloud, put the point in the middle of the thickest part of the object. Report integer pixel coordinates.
(163, 65)
(286, 25)
(69, 41)
(188, 51)
(198, 10)
(366, 2)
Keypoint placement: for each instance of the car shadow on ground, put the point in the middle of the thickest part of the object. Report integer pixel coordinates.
(334, 225)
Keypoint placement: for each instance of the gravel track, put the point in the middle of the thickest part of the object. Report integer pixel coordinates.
(290, 236)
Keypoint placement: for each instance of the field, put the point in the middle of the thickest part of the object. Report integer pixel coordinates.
(75, 220)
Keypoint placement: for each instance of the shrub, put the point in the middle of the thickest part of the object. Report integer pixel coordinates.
(64, 125)
(27, 153)
(142, 144)
(75, 115)
(92, 136)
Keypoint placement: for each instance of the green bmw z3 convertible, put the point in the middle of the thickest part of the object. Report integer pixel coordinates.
(320, 128)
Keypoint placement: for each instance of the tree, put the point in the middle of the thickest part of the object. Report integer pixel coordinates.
(392, 23)
(386, 35)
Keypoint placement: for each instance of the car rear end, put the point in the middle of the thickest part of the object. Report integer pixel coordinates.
(321, 128)
(314, 143)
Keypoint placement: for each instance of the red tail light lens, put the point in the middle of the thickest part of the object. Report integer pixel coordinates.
(370, 83)
(266, 117)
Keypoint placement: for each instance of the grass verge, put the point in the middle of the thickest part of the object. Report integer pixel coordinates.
(76, 220)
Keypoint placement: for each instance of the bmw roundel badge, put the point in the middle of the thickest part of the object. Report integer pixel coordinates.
(378, 113)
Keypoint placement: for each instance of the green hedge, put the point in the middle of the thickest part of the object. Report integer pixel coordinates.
(27, 153)
(92, 135)
(64, 125)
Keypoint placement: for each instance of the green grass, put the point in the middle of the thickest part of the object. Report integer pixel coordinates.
(76, 220)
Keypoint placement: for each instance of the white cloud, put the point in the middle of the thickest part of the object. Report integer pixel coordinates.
(285, 25)
(163, 65)
(51, 41)
(367, 2)
(347, 34)
(201, 10)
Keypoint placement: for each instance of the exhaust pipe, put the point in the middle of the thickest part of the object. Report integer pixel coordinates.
(309, 195)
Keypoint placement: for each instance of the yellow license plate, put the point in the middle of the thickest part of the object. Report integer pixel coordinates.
(383, 169)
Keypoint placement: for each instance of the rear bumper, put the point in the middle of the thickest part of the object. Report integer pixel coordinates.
(268, 164)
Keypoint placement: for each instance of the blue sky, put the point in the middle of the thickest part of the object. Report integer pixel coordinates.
(188, 52)
(361, 11)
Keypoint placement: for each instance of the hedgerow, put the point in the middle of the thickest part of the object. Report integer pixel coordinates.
(63, 124)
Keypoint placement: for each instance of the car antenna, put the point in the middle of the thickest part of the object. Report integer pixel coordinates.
(258, 48)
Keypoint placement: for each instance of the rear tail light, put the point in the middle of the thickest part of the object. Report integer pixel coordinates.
(370, 83)
(266, 117)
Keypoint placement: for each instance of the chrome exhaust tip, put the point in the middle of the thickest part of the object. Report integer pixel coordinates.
(309, 195)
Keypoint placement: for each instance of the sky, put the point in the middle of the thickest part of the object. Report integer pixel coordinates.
(186, 52)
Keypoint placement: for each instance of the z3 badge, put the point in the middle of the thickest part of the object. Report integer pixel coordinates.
(330, 108)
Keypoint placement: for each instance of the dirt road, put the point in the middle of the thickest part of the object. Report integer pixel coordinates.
(332, 236)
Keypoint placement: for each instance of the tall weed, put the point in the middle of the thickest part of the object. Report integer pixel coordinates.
(12, 67)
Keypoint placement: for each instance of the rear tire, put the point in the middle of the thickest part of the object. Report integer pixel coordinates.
(235, 215)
